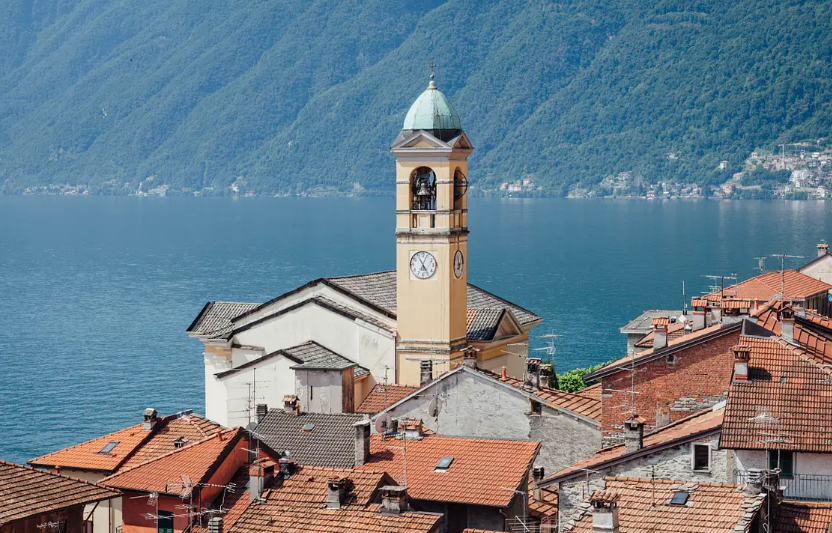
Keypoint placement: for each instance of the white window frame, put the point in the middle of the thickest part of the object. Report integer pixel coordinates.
(693, 446)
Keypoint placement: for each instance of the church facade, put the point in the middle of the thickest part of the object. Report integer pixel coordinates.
(331, 340)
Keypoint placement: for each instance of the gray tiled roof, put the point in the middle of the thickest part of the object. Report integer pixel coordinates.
(379, 288)
(215, 318)
(317, 357)
(329, 443)
(484, 323)
(356, 314)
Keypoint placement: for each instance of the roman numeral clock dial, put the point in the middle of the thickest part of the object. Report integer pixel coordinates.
(423, 265)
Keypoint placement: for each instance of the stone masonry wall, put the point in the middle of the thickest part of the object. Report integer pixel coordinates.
(697, 378)
(673, 463)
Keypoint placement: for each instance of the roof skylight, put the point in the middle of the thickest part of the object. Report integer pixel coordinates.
(109, 447)
(679, 498)
(444, 464)
(308, 427)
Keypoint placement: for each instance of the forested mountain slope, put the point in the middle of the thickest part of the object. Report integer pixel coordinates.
(282, 96)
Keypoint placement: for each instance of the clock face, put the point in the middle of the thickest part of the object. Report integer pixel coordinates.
(423, 265)
(458, 261)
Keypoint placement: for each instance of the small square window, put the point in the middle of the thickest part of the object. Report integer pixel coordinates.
(537, 407)
(108, 447)
(782, 459)
(679, 498)
(701, 457)
(444, 464)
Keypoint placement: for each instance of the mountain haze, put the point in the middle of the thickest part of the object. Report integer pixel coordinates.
(284, 96)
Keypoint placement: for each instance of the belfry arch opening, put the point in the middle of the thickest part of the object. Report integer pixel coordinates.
(460, 188)
(423, 189)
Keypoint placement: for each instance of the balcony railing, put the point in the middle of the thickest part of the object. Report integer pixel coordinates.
(807, 487)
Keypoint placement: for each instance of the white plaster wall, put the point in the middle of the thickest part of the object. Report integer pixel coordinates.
(241, 356)
(324, 388)
(274, 380)
(804, 463)
(367, 347)
(216, 397)
(821, 270)
(318, 290)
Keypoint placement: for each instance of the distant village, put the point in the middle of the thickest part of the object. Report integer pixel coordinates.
(408, 401)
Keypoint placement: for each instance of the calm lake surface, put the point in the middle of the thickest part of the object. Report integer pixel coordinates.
(95, 293)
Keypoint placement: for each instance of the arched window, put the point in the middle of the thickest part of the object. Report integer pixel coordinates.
(460, 188)
(423, 186)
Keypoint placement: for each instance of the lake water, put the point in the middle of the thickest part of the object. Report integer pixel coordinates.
(95, 293)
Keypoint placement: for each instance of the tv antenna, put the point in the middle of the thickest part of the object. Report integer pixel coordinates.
(783, 270)
(761, 264)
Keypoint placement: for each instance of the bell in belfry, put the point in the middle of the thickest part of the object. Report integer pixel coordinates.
(424, 188)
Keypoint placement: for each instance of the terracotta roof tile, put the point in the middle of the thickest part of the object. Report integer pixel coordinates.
(581, 404)
(794, 517)
(690, 426)
(546, 508)
(787, 393)
(766, 286)
(478, 474)
(593, 392)
(233, 503)
(26, 492)
(173, 472)
(135, 445)
(383, 396)
(267, 518)
(308, 487)
(674, 331)
(643, 507)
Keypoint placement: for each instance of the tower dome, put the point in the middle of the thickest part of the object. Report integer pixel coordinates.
(432, 111)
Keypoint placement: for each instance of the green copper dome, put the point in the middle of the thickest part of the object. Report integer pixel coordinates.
(432, 111)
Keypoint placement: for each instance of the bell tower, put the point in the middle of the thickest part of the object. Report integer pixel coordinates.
(431, 239)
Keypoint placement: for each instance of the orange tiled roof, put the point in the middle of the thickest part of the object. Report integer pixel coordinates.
(232, 502)
(695, 424)
(766, 286)
(581, 404)
(267, 518)
(793, 517)
(135, 445)
(593, 392)
(812, 335)
(165, 474)
(381, 394)
(26, 492)
(546, 508)
(788, 393)
(624, 361)
(479, 473)
(643, 507)
(308, 486)
(674, 331)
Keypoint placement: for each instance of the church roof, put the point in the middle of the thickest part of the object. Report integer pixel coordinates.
(309, 355)
(432, 111)
(215, 318)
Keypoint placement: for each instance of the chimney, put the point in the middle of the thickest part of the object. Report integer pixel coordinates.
(547, 377)
(215, 525)
(470, 359)
(336, 488)
(289, 403)
(260, 477)
(605, 512)
(660, 324)
(286, 467)
(537, 475)
(150, 419)
(741, 356)
(753, 482)
(362, 442)
(823, 249)
(393, 499)
(787, 324)
(261, 411)
(533, 373)
(633, 434)
(503, 373)
(412, 428)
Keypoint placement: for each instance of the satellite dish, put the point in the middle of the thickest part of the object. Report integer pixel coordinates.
(383, 423)
(433, 407)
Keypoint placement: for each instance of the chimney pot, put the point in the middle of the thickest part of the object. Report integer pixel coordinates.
(660, 324)
(289, 403)
(260, 477)
(150, 417)
(412, 428)
(605, 512)
(742, 354)
(547, 376)
(786, 316)
(215, 525)
(633, 434)
(754, 482)
(823, 249)
(261, 411)
(470, 359)
(286, 466)
(393, 499)
(219, 435)
(533, 372)
(503, 373)
(335, 493)
(362, 442)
